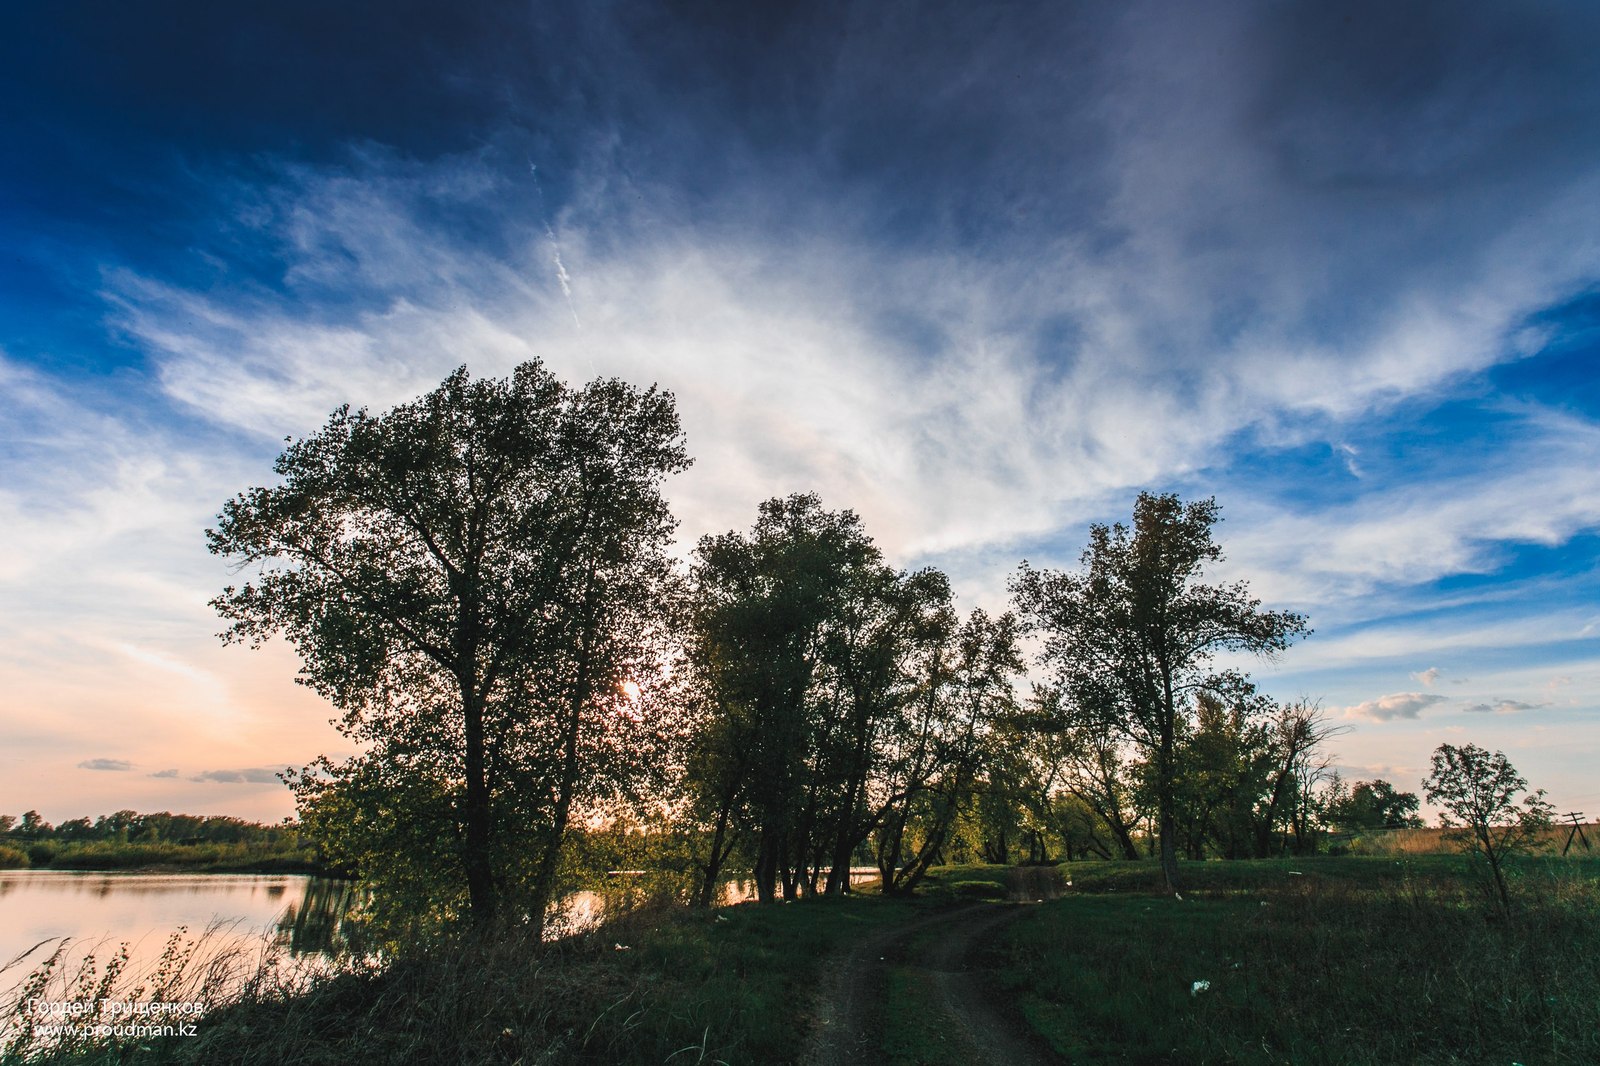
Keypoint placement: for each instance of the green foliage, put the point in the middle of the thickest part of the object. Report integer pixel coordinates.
(838, 698)
(115, 855)
(1478, 792)
(478, 580)
(1372, 805)
(11, 858)
(131, 827)
(129, 840)
(1131, 636)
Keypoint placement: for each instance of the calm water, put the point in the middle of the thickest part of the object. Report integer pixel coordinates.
(300, 915)
(101, 911)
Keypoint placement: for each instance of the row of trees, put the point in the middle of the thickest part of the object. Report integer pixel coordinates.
(837, 701)
(129, 826)
(480, 581)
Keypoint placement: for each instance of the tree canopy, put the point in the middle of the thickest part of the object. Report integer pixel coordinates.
(1478, 792)
(1132, 635)
(471, 578)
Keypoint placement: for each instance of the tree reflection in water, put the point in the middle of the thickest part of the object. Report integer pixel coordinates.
(320, 923)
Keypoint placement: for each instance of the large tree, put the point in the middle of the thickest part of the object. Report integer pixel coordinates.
(763, 605)
(475, 579)
(808, 656)
(1371, 805)
(1132, 635)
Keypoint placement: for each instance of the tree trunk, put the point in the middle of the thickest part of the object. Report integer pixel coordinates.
(1168, 830)
(545, 880)
(475, 858)
(707, 894)
(766, 871)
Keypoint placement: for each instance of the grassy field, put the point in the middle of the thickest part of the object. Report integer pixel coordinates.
(1325, 960)
(1434, 841)
(1329, 960)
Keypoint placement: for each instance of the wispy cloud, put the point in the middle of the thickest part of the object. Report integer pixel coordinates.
(105, 764)
(1428, 677)
(254, 775)
(1502, 707)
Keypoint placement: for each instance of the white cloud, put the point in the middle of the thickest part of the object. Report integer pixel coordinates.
(1543, 489)
(1428, 677)
(1397, 705)
(914, 389)
(1234, 280)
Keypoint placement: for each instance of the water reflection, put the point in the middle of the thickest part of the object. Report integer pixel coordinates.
(39, 909)
(319, 922)
(300, 916)
(581, 911)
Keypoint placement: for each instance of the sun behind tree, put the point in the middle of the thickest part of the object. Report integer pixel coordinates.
(473, 579)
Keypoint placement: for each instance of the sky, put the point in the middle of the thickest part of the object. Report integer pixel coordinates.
(980, 272)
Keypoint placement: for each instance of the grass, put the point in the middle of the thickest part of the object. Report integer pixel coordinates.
(1357, 960)
(1328, 960)
(1433, 841)
(658, 984)
(908, 1038)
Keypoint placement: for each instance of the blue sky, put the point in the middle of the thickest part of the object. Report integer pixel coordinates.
(980, 272)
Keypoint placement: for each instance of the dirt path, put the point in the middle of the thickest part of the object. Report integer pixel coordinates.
(851, 999)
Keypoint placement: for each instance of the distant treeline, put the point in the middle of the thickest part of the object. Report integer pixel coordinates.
(131, 827)
(129, 840)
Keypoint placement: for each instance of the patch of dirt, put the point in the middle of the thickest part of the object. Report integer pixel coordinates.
(850, 1000)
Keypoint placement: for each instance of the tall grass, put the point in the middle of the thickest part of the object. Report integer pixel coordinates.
(78, 1004)
(1434, 841)
(651, 985)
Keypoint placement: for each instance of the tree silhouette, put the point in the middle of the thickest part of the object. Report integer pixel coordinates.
(1131, 636)
(1478, 793)
(470, 578)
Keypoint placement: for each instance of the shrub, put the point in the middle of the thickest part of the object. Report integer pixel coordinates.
(11, 858)
(1478, 792)
(41, 854)
(978, 889)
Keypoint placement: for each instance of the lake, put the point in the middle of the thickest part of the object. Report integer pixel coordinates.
(246, 914)
(99, 912)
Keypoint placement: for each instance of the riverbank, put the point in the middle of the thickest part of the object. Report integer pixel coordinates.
(162, 857)
(1325, 960)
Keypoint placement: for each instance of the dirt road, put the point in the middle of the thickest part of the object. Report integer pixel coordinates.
(931, 954)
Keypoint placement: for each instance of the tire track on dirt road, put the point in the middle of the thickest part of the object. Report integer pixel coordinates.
(852, 996)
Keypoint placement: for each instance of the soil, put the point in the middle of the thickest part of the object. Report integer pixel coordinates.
(940, 948)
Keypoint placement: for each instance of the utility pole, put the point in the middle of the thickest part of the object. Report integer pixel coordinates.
(1576, 832)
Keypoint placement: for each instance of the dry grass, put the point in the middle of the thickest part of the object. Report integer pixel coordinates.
(1435, 841)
